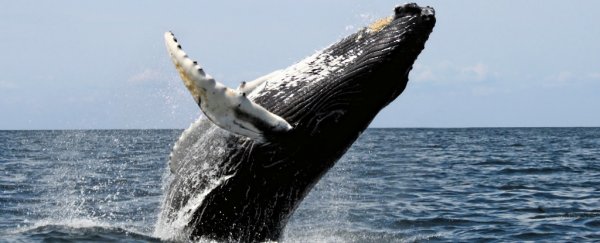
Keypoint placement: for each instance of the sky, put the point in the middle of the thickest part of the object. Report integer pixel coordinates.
(103, 64)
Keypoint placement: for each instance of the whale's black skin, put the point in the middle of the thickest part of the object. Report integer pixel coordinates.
(261, 184)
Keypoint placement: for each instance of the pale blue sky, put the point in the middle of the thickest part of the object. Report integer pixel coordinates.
(102, 64)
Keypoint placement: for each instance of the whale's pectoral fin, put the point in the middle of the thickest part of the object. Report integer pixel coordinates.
(193, 75)
(227, 108)
(251, 116)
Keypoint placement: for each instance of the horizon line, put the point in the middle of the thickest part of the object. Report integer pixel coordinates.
(406, 127)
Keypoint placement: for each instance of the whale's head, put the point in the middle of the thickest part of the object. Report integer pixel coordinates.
(333, 95)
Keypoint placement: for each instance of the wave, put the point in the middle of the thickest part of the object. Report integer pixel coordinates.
(76, 230)
(340, 235)
(535, 170)
(431, 222)
(569, 215)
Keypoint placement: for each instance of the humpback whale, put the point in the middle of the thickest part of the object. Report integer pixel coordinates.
(240, 171)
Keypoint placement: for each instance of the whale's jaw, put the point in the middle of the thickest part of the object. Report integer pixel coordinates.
(228, 187)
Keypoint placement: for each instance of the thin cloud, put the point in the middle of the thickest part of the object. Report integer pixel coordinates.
(147, 76)
(483, 91)
(569, 78)
(594, 76)
(564, 76)
(446, 71)
(421, 73)
(478, 72)
(6, 85)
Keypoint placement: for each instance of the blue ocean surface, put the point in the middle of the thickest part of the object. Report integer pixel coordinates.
(393, 185)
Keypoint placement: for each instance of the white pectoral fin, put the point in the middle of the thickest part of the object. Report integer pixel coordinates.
(193, 76)
(242, 116)
(227, 108)
(258, 119)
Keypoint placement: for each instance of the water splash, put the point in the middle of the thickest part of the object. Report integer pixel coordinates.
(190, 153)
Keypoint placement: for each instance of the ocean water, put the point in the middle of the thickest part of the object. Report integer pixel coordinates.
(393, 185)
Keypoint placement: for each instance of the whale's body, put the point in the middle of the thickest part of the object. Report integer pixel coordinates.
(229, 187)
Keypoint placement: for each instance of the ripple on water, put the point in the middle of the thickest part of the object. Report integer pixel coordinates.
(68, 233)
